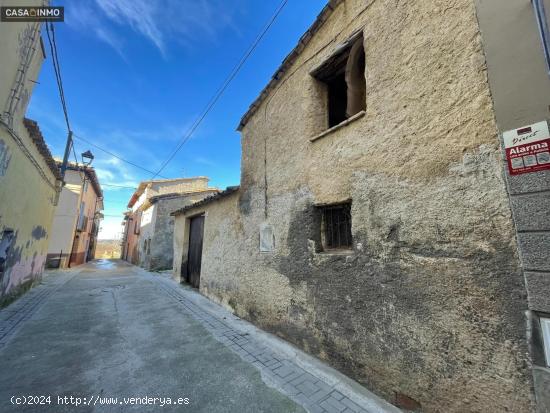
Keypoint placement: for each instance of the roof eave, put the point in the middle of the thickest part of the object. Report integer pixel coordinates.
(289, 60)
(209, 199)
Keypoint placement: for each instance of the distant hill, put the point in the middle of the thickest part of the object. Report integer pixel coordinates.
(107, 248)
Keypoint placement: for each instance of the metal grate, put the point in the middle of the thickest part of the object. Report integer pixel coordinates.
(337, 226)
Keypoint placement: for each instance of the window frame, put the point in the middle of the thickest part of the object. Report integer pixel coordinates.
(331, 69)
(327, 231)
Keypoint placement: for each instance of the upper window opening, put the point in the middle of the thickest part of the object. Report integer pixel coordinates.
(344, 76)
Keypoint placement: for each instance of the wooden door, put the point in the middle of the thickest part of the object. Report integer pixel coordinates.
(194, 255)
(73, 257)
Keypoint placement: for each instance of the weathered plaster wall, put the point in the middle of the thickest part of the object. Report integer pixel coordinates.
(17, 45)
(156, 224)
(65, 220)
(132, 239)
(162, 236)
(27, 208)
(146, 233)
(85, 236)
(26, 196)
(520, 87)
(430, 302)
(180, 186)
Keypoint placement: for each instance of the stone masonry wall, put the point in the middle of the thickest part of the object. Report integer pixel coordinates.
(178, 186)
(162, 252)
(429, 304)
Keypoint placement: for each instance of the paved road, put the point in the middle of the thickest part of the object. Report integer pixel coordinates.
(109, 332)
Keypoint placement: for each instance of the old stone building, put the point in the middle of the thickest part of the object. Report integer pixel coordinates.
(77, 218)
(148, 232)
(29, 179)
(373, 225)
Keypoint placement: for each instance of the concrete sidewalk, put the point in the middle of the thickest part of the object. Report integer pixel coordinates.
(305, 379)
(114, 330)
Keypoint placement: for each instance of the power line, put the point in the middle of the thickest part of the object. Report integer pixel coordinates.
(116, 156)
(119, 186)
(57, 71)
(59, 81)
(223, 87)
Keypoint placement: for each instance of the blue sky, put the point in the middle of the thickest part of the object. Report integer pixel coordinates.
(137, 73)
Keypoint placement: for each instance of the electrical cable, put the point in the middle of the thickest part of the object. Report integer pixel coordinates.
(57, 71)
(212, 102)
(115, 156)
(210, 105)
(119, 186)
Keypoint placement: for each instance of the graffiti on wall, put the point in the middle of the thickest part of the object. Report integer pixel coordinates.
(18, 265)
(5, 157)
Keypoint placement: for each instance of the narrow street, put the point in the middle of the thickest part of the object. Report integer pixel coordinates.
(107, 332)
(110, 330)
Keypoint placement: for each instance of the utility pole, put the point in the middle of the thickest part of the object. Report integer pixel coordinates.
(66, 155)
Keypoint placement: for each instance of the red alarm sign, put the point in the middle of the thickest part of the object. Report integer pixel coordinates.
(528, 148)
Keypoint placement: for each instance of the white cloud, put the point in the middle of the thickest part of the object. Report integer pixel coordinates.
(159, 21)
(141, 15)
(104, 174)
(112, 40)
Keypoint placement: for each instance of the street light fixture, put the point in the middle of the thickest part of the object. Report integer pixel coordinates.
(87, 158)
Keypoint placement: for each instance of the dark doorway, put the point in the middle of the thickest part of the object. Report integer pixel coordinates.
(73, 257)
(194, 256)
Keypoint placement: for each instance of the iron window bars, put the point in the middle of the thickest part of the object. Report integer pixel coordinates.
(337, 226)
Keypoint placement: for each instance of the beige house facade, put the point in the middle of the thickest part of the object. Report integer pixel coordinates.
(148, 227)
(377, 225)
(29, 179)
(77, 218)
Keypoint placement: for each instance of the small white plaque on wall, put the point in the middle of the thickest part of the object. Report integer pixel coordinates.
(267, 238)
(545, 324)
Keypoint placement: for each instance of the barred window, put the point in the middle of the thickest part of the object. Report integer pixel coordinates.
(336, 226)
